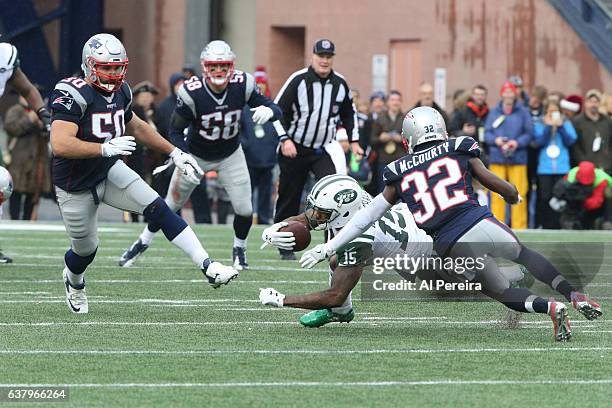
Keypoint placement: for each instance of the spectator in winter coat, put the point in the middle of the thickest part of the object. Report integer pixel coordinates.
(470, 121)
(554, 135)
(594, 134)
(426, 92)
(508, 133)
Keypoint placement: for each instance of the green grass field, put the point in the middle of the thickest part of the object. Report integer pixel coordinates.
(157, 334)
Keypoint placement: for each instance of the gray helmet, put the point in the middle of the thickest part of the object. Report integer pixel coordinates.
(104, 50)
(422, 125)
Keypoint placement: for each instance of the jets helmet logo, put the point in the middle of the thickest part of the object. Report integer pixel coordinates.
(345, 196)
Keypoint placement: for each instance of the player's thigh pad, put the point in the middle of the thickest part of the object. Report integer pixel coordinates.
(235, 179)
(79, 214)
(124, 189)
(180, 188)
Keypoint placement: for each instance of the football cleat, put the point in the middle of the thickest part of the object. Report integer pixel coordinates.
(318, 318)
(76, 298)
(590, 309)
(558, 314)
(217, 273)
(129, 256)
(239, 257)
(4, 259)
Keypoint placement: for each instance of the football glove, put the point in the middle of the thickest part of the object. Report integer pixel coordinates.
(315, 255)
(187, 165)
(119, 146)
(271, 297)
(45, 118)
(281, 240)
(262, 114)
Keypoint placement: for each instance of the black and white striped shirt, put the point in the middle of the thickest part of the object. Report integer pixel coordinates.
(312, 107)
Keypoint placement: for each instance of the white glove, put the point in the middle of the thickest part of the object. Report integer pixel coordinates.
(315, 255)
(271, 297)
(188, 165)
(262, 114)
(282, 240)
(119, 146)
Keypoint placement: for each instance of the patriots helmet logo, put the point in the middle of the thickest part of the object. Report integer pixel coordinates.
(94, 44)
(65, 100)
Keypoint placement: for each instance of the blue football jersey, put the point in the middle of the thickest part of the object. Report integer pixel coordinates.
(100, 117)
(215, 118)
(436, 184)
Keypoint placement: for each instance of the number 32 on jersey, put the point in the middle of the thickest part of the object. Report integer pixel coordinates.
(438, 198)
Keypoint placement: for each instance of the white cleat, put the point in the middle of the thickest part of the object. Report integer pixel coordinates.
(218, 274)
(558, 315)
(76, 298)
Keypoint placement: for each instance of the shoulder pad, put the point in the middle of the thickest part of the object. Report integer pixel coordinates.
(466, 144)
(127, 91)
(9, 58)
(73, 90)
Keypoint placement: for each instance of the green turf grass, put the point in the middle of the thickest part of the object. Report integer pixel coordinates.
(155, 337)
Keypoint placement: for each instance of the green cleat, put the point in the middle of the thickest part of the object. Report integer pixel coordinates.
(318, 318)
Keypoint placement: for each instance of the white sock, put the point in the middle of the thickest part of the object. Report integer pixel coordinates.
(548, 311)
(240, 243)
(147, 236)
(348, 303)
(73, 278)
(189, 243)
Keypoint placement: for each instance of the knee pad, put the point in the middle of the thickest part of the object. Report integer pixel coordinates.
(85, 246)
(160, 216)
(77, 263)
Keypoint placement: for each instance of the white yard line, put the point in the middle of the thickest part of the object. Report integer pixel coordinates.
(315, 352)
(283, 384)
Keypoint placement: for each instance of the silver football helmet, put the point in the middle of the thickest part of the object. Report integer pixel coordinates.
(333, 201)
(104, 62)
(6, 185)
(217, 60)
(422, 125)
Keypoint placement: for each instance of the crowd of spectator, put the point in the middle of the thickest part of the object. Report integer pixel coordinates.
(554, 147)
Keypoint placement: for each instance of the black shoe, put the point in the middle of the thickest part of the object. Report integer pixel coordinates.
(5, 259)
(239, 258)
(286, 255)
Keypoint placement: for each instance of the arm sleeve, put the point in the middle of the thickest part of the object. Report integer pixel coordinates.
(468, 145)
(489, 135)
(67, 103)
(177, 131)
(597, 198)
(541, 134)
(285, 100)
(360, 222)
(568, 133)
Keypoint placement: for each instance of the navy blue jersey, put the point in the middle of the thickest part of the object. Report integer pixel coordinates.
(99, 117)
(215, 118)
(436, 184)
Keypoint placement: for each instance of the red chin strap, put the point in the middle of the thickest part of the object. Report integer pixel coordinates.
(108, 79)
(405, 143)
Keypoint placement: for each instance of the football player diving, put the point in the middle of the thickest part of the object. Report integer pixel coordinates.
(90, 116)
(435, 180)
(212, 104)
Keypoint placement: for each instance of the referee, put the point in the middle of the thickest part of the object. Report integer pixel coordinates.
(313, 101)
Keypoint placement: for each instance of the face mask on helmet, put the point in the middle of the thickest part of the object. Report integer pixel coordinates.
(218, 72)
(319, 218)
(107, 76)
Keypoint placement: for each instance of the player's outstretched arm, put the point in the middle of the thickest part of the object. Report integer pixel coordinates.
(355, 227)
(344, 280)
(494, 183)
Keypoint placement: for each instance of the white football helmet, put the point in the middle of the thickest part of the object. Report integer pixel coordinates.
(422, 125)
(214, 54)
(333, 201)
(6, 185)
(104, 50)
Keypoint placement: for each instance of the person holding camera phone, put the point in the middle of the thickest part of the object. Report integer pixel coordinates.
(554, 135)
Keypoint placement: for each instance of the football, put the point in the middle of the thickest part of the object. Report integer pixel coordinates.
(301, 233)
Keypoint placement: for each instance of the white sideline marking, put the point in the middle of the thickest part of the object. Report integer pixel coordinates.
(399, 351)
(47, 227)
(597, 331)
(95, 281)
(316, 384)
(178, 267)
